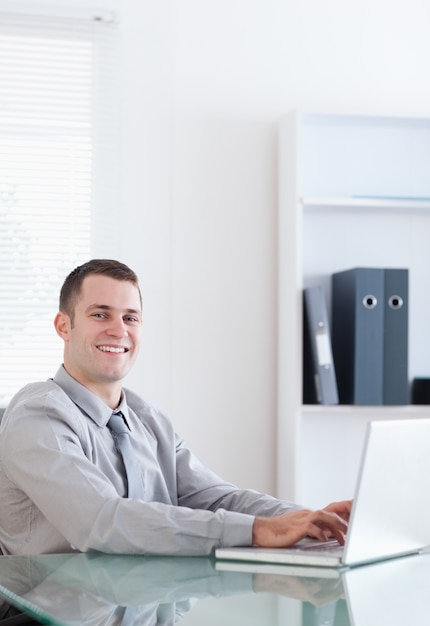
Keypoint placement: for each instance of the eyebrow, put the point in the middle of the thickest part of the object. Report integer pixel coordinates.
(106, 307)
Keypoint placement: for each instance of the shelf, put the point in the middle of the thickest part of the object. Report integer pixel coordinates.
(411, 410)
(314, 203)
(354, 191)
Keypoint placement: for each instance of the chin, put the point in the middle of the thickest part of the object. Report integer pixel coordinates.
(116, 376)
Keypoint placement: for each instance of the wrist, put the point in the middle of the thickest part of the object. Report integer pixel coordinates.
(258, 530)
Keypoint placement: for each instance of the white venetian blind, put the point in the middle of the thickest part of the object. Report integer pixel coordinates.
(58, 175)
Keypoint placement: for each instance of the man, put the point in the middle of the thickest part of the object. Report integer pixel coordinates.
(63, 481)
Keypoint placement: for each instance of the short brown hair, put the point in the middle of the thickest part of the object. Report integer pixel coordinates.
(72, 286)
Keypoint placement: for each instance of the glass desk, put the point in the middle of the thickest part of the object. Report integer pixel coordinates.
(105, 590)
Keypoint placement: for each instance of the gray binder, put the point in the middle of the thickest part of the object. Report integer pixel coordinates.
(358, 335)
(396, 306)
(319, 373)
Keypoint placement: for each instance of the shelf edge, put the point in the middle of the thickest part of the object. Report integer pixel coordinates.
(337, 202)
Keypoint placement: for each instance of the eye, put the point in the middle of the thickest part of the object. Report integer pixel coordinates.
(131, 319)
(99, 315)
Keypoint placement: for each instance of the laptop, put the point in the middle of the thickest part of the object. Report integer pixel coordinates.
(390, 515)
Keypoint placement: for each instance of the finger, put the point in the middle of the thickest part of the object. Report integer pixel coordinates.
(317, 532)
(337, 520)
(332, 523)
(341, 508)
(339, 536)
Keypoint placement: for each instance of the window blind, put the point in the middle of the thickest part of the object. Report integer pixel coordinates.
(58, 175)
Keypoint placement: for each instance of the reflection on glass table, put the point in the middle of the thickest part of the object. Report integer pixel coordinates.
(98, 589)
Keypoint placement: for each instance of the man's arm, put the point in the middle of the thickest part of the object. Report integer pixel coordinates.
(199, 487)
(277, 523)
(56, 496)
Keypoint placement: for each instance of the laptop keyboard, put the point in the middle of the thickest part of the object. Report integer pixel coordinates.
(322, 546)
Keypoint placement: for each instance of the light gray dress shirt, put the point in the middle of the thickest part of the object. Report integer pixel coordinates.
(63, 486)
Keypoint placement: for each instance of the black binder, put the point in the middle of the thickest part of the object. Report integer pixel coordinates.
(358, 335)
(396, 308)
(319, 379)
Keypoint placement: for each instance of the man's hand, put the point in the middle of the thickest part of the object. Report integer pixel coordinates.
(284, 530)
(343, 509)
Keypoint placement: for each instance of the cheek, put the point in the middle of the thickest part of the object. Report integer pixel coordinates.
(137, 337)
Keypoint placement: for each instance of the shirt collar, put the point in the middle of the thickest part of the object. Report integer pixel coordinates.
(87, 401)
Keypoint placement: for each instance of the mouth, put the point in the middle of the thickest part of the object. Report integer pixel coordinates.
(113, 349)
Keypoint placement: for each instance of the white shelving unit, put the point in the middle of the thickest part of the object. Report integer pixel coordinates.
(354, 191)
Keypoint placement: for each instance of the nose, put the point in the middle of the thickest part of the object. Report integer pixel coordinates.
(117, 327)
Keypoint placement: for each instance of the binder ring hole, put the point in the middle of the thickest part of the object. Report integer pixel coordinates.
(395, 302)
(370, 301)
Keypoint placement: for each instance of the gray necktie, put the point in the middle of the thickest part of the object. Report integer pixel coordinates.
(121, 435)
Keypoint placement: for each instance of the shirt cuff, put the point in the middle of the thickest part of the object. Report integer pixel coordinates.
(237, 529)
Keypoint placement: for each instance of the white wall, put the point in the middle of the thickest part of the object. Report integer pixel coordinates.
(205, 85)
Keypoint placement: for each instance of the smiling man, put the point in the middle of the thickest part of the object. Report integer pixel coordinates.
(101, 331)
(65, 477)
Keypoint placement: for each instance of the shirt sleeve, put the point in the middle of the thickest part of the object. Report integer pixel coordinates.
(200, 487)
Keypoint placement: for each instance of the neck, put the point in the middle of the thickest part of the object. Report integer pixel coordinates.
(109, 392)
(111, 395)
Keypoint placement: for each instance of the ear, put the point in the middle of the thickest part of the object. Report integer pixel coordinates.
(62, 325)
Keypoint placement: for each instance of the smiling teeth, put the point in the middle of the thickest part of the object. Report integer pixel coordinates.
(110, 349)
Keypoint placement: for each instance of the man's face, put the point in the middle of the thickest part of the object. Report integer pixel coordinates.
(102, 345)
